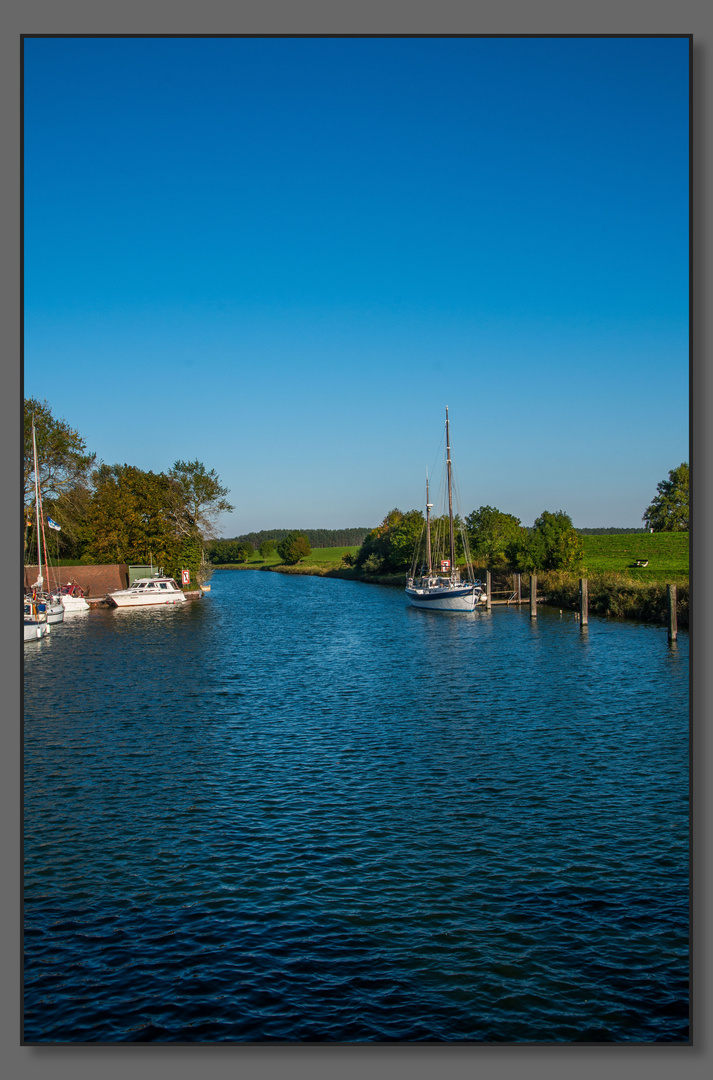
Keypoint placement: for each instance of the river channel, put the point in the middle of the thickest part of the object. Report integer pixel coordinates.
(299, 810)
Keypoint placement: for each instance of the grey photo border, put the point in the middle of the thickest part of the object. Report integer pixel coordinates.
(532, 17)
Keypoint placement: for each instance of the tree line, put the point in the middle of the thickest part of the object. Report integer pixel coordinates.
(494, 539)
(497, 540)
(318, 538)
(116, 513)
(608, 532)
(291, 547)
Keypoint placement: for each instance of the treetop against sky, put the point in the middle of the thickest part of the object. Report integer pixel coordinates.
(283, 258)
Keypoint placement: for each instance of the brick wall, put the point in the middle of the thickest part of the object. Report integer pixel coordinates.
(95, 580)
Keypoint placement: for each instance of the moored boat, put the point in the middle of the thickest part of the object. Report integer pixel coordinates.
(49, 605)
(145, 591)
(40, 607)
(445, 589)
(71, 596)
(34, 623)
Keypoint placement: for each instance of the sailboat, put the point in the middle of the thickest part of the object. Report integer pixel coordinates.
(34, 621)
(443, 589)
(40, 608)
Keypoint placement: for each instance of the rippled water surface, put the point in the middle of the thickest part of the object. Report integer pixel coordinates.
(301, 810)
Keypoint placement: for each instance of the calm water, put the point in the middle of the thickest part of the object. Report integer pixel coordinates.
(300, 810)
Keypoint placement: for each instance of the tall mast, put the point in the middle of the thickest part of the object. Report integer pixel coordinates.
(429, 507)
(450, 496)
(37, 507)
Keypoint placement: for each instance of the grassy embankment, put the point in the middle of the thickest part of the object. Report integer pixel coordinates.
(320, 562)
(617, 587)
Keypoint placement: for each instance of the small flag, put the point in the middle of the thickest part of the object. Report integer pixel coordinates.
(53, 524)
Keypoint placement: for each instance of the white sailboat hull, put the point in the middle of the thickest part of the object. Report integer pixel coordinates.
(458, 598)
(55, 611)
(33, 631)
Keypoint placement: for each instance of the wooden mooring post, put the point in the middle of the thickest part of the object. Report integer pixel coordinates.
(533, 596)
(672, 615)
(488, 591)
(517, 588)
(583, 601)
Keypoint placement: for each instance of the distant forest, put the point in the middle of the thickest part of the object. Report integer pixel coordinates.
(602, 532)
(318, 538)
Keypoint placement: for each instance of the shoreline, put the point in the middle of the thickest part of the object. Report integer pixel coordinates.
(611, 596)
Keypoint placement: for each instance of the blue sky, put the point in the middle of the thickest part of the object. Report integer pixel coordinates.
(285, 257)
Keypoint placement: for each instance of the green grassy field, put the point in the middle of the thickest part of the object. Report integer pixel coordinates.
(617, 552)
(328, 556)
(321, 559)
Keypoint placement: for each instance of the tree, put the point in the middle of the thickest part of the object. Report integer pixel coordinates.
(294, 547)
(203, 498)
(267, 547)
(669, 510)
(390, 547)
(551, 544)
(490, 532)
(131, 517)
(62, 459)
(230, 551)
(71, 510)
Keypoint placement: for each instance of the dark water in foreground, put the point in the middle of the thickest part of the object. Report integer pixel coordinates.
(300, 810)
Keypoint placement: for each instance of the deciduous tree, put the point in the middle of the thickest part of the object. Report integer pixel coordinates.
(669, 510)
(552, 544)
(131, 517)
(490, 533)
(294, 547)
(62, 458)
(203, 498)
(230, 551)
(390, 546)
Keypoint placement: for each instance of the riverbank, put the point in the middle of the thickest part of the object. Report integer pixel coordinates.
(611, 595)
(616, 596)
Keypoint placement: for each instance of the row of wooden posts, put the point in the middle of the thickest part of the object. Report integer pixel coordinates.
(516, 598)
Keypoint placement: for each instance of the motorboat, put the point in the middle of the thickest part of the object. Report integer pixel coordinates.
(145, 591)
(71, 597)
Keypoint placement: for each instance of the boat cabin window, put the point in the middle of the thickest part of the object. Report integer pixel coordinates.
(163, 585)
